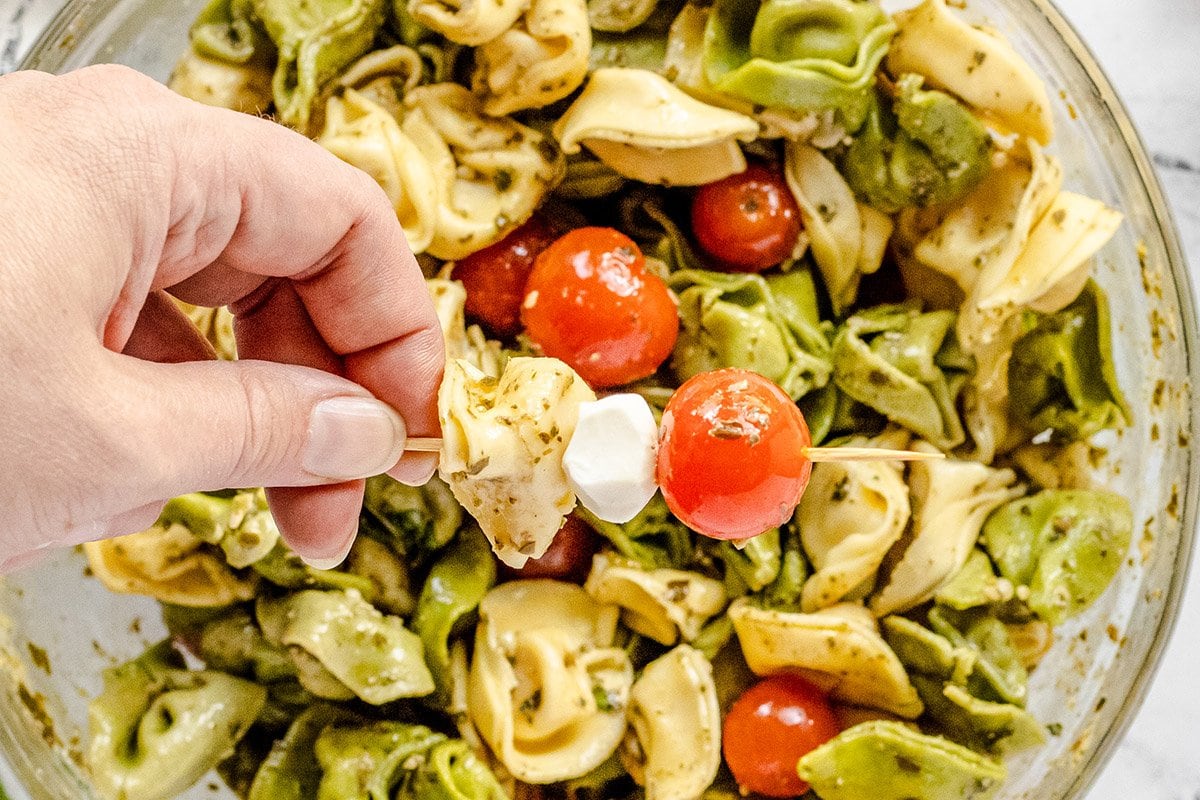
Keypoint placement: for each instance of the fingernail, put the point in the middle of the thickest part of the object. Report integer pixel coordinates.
(331, 563)
(415, 469)
(353, 437)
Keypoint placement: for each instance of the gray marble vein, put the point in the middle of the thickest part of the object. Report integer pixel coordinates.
(1150, 49)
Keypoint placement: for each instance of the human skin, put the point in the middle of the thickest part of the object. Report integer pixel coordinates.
(115, 192)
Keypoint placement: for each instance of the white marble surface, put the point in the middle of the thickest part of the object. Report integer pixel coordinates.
(1151, 52)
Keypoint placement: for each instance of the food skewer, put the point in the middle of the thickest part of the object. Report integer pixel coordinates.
(433, 444)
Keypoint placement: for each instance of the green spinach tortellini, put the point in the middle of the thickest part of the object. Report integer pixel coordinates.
(414, 521)
(228, 62)
(890, 761)
(372, 655)
(926, 148)
(1061, 377)
(157, 727)
(1065, 545)
(766, 325)
(315, 39)
(799, 55)
(907, 366)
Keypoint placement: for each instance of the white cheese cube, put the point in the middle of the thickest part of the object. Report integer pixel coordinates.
(610, 459)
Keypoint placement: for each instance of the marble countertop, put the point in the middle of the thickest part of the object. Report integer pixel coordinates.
(1149, 50)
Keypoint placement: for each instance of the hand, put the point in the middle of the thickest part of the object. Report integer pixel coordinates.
(113, 191)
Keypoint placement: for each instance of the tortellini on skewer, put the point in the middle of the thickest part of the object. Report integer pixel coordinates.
(849, 516)
(547, 691)
(645, 128)
(502, 449)
(838, 648)
(667, 605)
(366, 136)
(951, 499)
(676, 720)
(974, 63)
(541, 59)
(490, 173)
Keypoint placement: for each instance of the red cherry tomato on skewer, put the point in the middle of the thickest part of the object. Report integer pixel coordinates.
(748, 221)
(731, 454)
(769, 728)
(590, 302)
(495, 277)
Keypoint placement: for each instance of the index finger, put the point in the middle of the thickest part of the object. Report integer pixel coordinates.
(303, 215)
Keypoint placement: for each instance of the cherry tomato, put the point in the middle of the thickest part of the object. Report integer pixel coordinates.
(495, 277)
(768, 729)
(731, 460)
(748, 221)
(569, 557)
(591, 303)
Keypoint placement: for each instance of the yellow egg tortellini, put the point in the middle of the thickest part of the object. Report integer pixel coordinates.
(367, 136)
(667, 605)
(471, 23)
(951, 499)
(541, 59)
(849, 517)
(462, 341)
(490, 172)
(675, 718)
(976, 64)
(502, 448)
(168, 563)
(645, 128)
(838, 648)
(847, 238)
(547, 691)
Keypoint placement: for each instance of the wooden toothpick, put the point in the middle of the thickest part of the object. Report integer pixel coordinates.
(432, 444)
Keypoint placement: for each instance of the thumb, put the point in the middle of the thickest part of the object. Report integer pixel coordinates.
(214, 425)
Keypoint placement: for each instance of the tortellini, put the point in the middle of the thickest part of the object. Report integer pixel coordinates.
(1065, 545)
(1061, 376)
(316, 40)
(462, 341)
(674, 714)
(453, 589)
(753, 323)
(951, 499)
(925, 149)
(847, 238)
(169, 564)
(228, 61)
(645, 128)
(998, 673)
(838, 648)
(215, 325)
(541, 59)
(471, 23)
(366, 136)
(490, 173)
(890, 761)
(849, 517)
(906, 365)
(667, 605)
(983, 724)
(157, 727)
(806, 56)
(503, 441)
(371, 654)
(973, 63)
(415, 521)
(547, 691)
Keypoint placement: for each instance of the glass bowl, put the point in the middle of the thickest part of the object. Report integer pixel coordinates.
(58, 629)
